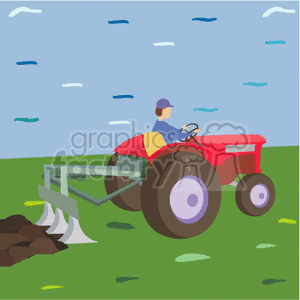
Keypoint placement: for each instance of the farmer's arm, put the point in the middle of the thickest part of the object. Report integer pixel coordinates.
(175, 133)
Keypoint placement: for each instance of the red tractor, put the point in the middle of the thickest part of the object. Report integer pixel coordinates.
(179, 187)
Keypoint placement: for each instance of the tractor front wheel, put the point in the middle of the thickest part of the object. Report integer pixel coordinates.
(255, 194)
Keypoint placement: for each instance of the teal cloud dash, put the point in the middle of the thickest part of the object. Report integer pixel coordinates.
(257, 84)
(209, 110)
(26, 120)
(275, 42)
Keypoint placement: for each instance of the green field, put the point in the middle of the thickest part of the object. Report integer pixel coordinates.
(235, 270)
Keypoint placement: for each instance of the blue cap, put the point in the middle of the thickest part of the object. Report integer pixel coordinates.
(163, 103)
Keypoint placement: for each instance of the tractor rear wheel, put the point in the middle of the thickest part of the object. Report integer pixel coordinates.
(129, 199)
(181, 195)
(255, 194)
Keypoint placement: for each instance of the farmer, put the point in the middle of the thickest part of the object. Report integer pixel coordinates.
(169, 133)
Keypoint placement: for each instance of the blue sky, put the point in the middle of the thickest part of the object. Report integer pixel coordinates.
(72, 42)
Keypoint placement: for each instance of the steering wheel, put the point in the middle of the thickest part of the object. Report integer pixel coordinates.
(188, 138)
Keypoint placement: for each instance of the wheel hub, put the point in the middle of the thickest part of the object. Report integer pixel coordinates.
(189, 199)
(192, 200)
(259, 195)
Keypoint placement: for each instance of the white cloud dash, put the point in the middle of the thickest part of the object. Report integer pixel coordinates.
(162, 44)
(72, 85)
(118, 122)
(24, 9)
(278, 9)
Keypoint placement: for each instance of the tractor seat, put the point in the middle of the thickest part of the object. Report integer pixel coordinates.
(153, 141)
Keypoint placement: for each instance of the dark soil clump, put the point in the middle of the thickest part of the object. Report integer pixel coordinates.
(20, 253)
(44, 246)
(5, 259)
(20, 239)
(23, 244)
(33, 232)
(9, 239)
(13, 224)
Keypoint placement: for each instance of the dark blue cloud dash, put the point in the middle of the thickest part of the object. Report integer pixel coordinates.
(118, 22)
(123, 97)
(27, 62)
(209, 110)
(26, 120)
(257, 84)
(204, 19)
(275, 42)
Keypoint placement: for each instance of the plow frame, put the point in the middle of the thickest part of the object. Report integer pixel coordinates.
(137, 168)
(133, 168)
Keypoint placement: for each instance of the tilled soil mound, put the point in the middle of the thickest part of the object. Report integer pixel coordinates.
(20, 239)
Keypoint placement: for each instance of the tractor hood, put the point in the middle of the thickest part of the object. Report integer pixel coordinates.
(213, 143)
(231, 139)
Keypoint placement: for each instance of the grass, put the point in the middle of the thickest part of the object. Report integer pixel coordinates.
(235, 270)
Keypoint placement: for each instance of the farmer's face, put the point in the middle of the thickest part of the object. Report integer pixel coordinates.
(167, 112)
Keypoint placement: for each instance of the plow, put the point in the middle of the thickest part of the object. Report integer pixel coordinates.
(176, 186)
(58, 175)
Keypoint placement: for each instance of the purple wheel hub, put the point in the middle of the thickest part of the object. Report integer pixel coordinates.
(192, 200)
(259, 195)
(189, 199)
